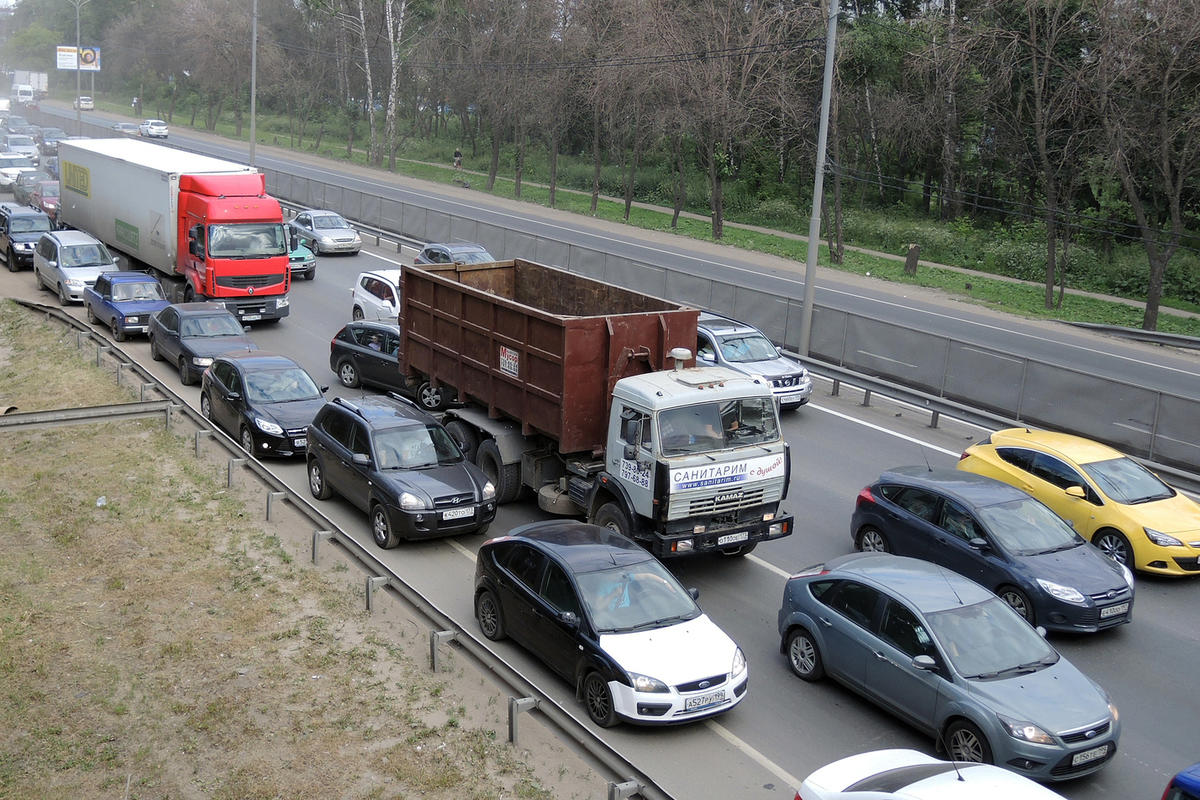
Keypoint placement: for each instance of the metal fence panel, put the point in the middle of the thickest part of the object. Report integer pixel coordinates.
(546, 251)
(587, 262)
(767, 312)
(493, 238)
(1175, 439)
(985, 378)
(370, 209)
(437, 227)
(639, 277)
(881, 348)
(827, 340)
(689, 289)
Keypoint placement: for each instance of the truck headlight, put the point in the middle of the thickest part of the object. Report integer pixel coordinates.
(266, 426)
(282, 302)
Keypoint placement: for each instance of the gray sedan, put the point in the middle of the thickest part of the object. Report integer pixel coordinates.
(949, 657)
(326, 232)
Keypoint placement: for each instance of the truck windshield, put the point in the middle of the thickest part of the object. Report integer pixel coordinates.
(717, 426)
(247, 240)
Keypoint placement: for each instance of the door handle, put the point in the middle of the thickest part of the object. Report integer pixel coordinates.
(825, 622)
(879, 656)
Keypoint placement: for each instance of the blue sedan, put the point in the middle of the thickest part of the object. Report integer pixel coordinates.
(123, 302)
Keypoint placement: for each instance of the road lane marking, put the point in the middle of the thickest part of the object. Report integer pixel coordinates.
(770, 765)
(454, 543)
(882, 429)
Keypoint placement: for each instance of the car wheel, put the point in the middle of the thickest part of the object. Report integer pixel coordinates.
(41, 284)
(154, 353)
(505, 477)
(348, 374)
(117, 331)
(91, 315)
(433, 398)
(12, 261)
(612, 517)
(205, 407)
(311, 274)
(739, 551)
(965, 742)
(246, 439)
(804, 657)
(381, 528)
(316, 480)
(185, 372)
(63, 300)
(487, 614)
(871, 540)
(1019, 602)
(1114, 545)
(464, 434)
(357, 313)
(597, 698)
(189, 295)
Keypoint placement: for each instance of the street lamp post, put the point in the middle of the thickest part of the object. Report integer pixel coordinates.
(79, 4)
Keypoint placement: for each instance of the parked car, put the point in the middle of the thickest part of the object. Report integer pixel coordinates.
(123, 302)
(376, 295)
(84, 103)
(1110, 499)
(398, 464)
(301, 260)
(909, 775)
(126, 129)
(23, 185)
(997, 536)
(326, 232)
(947, 656)
(20, 143)
(724, 342)
(48, 140)
(20, 229)
(12, 165)
(68, 262)
(45, 198)
(153, 128)
(266, 401)
(450, 253)
(1185, 785)
(609, 618)
(191, 335)
(366, 353)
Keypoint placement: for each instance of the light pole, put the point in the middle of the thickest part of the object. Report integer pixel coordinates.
(79, 4)
(253, 78)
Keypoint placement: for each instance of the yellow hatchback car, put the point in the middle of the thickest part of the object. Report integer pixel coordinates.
(1110, 499)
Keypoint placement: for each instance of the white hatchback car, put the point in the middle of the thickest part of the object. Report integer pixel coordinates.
(909, 775)
(376, 295)
(153, 128)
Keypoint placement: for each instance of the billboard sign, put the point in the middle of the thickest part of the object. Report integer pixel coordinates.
(88, 58)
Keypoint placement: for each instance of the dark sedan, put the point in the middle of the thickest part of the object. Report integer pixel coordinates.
(191, 335)
(265, 401)
(1000, 537)
(366, 353)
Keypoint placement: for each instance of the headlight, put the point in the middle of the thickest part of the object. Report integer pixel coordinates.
(202, 362)
(282, 302)
(489, 491)
(1061, 592)
(1161, 539)
(410, 502)
(24, 245)
(324, 239)
(739, 663)
(266, 426)
(644, 683)
(1025, 731)
(1126, 572)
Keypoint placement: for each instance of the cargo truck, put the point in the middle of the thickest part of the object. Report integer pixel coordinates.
(579, 391)
(206, 224)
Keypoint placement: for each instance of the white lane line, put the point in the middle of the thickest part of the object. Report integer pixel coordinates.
(882, 429)
(770, 765)
(464, 551)
(783, 573)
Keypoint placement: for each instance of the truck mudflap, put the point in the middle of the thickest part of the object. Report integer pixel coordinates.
(257, 309)
(734, 538)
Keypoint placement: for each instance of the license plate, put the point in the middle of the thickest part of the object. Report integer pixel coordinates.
(705, 700)
(795, 397)
(1114, 611)
(731, 538)
(251, 317)
(1089, 755)
(301, 442)
(457, 513)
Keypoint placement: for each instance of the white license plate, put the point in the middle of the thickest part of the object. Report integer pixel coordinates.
(1114, 611)
(301, 442)
(251, 317)
(732, 538)
(457, 513)
(1089, 755)
(795, 397)
(704, 701)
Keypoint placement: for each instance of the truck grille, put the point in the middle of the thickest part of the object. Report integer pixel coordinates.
(786, 381)
(727, 501)
(248, 281)
(710, 502)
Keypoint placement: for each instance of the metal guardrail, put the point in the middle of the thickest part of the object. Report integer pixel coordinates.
(1154, 337)
(628, 780)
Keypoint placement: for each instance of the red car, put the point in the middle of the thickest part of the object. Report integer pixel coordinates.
(45, 197)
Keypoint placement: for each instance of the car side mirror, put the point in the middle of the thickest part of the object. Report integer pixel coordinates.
(693, 592)
(1076, 492)
(324, 389)
(1041, 631)
(361, 459)
(569, 618)
(978, 543)
(924, 663)
(705, 357)
(233, 396)
(52, 264)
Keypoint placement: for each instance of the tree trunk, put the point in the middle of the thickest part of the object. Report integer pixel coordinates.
(680, 197)
(519, 167)
(494, 166)
(372, 135)
(553, 167)
(595, 158)
(631, 173)
(717, 199)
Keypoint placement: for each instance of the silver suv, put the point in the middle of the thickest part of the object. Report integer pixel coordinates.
(724, 342)
(68, 262)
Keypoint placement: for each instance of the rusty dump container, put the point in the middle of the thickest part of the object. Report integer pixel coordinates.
(534, 343)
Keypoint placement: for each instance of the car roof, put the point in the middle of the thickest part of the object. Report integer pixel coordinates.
(372, 325)
(129, 276)
(390, 275)
(21, 211)
(910, 774)
(193, 309)
(459, 247)
(1075, 448)
(582, 547)
(68, 237)
(256, 359)
(967, 487)
(1189, 778)
(380, 410)
(718, 324)
(323, 212)
(925, 585)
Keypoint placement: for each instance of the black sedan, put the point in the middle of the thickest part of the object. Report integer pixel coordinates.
(367, 353)
(266, 401)
(190, 335)
(1000, 537)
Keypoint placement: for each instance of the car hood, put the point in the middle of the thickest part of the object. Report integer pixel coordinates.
(128, 307)
(436, 481)
(1178, 515)
(768, 367)
(296, 414)
(1058, 698)
(1085, 568)
(675, 654)
(26, 236)
(86, 273)
(215, 345)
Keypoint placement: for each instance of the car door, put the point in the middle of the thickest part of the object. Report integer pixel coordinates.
(909, 516)
(101, 303)
(302, 224)
(556, 640)
(956, 529)
(226, 411)
(846, 627)
(890, 677)
(520, 582)
(167, 341)
(1048, 479)
(356, 478)
(381, 366)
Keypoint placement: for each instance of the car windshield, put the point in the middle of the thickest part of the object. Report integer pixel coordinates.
(716, 426)
(247, 240)
(416, 447)
(1127, 481)
(15, 161)
(30, 224)
(48, 189)
(20, 141)
(747, 347)
(85, 255)
(285, 385)
(634, 597)
(213, 325)
(145, 290)
(1025, 527)
(328, 222)
(989, 640)
(471, 256)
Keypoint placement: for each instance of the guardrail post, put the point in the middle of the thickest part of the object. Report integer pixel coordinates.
(373, 583)
(866, 397)
(78, 340)
(120, 371)
(934, 416)
(168, 414)
(200, 434)
(233, 462)
(142, 391)
(435, 639)
(517, 705)
(271, 498)
(318, 537)
(837, 387)
(100, 350)
(626, 789)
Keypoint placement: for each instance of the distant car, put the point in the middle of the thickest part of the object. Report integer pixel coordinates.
(45, 198)
(11, 166)
(48, 140)
(126, 128)
(398, 464)
(376, 295)
(266, 401)
(946, 655)
(609, 618)
(123, 302)
(153, 128)
(366, 353)
(326, 232)
(1185, 785)
(23, 185)
(21, 143)
(68, 262)
(14, 122)
(909, 775)
(84, 103)
(191, 335)
(997, 536)
(1110, 499)
(724, 342)
(20, 229)
(457, 252)
(302, 262)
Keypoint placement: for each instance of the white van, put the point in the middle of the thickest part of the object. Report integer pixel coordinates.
(22, 94)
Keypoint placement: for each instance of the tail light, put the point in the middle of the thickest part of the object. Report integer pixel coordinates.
(864, 496)
(964, 455)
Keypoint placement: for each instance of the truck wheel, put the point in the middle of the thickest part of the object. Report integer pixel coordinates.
(465, 435)
(505, 477)
(612, 517)
(188, 294)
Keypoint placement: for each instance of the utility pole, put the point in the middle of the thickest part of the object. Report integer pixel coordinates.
(253, 79)
(79, 4)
